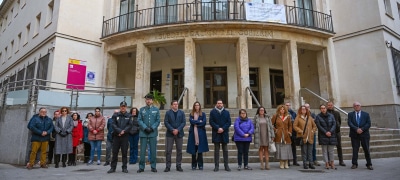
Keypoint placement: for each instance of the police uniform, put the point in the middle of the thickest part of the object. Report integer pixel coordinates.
(121, 121)
(149, 120)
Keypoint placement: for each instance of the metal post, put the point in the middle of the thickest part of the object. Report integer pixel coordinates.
(330, 13)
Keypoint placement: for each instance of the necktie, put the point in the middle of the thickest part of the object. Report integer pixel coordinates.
(358, 118)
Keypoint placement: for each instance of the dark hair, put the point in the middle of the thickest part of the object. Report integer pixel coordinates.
(172, 102)
(137, 111)
(87, 115)
(78, 117)
(242, 110)
(219, 100)
(41, 108)
(258, 110)
(322, 105)
(97, 108)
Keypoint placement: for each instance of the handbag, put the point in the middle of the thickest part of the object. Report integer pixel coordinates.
(299, 140)
(272, 147)
(80, 148)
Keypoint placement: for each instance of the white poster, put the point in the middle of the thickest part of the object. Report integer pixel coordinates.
(90, 77)
(265, 12)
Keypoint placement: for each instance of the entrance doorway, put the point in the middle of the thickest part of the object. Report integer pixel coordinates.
(177, 84)
(155, 81)
(277, 87)
(215, 86)
(254, 85)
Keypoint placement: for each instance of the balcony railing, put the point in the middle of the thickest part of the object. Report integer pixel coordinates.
(207, 12)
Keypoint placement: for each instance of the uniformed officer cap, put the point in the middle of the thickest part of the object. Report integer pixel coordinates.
(123, 103)
(149, 96)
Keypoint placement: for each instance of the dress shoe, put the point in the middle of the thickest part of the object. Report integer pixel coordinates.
(73, 163)
(227, 168)
(370, 167)
(140, 170)
(48, 162)
(106, 164)
(124, 170)
(296, 164)
(311, 166)
(342, 163)
(44, 166)
(305, 166)
(153, 170)
(56, 166)
(179, 169)
(167, 169)
(64, 165)
(354, 166)
(216, 169)
(112, 170)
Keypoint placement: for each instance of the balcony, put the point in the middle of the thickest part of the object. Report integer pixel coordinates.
(224, 11)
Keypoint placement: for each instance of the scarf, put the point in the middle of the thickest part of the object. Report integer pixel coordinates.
(75, 123)
(196, 133)
(219, 110)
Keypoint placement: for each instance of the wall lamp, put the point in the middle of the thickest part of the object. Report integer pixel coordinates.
(53, 46)
(388, 43)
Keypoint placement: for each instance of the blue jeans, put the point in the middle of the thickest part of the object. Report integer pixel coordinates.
(95, 145)
(133, 148)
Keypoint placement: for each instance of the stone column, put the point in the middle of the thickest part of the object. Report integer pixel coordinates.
(111, 66)
(142, 76)
(190, 73)
(328, 74)
(243, 79)
(291, 73)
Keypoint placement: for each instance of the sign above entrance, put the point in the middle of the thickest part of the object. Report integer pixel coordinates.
(216, 33)
(265, 12)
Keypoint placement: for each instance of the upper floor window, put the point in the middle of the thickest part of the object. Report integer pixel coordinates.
(398, 9)
(265, 1)
(37, 25)
(18, 43)
(27, 32)
(165, 11)
(11, 47)
(306, 17)
(214, 9)
(50, 10)
(126, 18)
(388, 7)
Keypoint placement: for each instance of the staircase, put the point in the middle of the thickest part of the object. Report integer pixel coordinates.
(383, 143)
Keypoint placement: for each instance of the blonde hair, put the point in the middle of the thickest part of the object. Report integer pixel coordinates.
(279, 108)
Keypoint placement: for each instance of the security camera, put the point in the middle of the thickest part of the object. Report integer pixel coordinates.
(388, 43)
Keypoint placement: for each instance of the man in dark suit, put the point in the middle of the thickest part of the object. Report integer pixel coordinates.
(359, 123)
(174, 121)
(220, 121)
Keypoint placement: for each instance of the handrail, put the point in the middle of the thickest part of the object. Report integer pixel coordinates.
(321, 98)
(197, 11)
(253, 96)
(182, 94)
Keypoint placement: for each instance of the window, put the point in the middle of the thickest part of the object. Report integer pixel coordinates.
(306, 17)
(388, 7)
(265, 1)
(126, 20)
(18, 43)
(30, 71)
(11, 47)
(37, 25)
(12, 13)
(50, 9)
(27, 32)
(11, 80)
(20, 78)
(214, 9)
(398, 9)
(42, 70)
(6, 22)
(396, 66)
(165, 11)
(1, 57)
(5, 54)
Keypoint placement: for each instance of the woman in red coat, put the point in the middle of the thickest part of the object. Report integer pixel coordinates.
(77, 135)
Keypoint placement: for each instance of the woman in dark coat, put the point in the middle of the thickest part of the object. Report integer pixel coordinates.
(197, 141)
(326, 124)
(63, 128)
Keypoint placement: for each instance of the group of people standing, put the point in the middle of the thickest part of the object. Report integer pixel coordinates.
(126, 129)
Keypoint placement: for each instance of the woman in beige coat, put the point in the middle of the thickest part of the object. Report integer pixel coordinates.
(307, 134)
(263, 135)
(282, 123)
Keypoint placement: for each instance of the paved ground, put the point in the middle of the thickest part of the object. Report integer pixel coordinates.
(386, 168)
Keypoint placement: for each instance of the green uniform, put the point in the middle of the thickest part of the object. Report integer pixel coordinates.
(149, 117)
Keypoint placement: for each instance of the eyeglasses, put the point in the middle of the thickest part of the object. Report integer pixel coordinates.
(64, 110)
(97, 111)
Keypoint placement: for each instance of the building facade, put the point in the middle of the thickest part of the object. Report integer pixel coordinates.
(367, 44)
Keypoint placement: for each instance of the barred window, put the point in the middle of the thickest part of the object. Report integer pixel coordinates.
(20, 78)
(396, 66)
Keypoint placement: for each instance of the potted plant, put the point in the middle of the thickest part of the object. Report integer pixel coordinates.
(158, 98)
